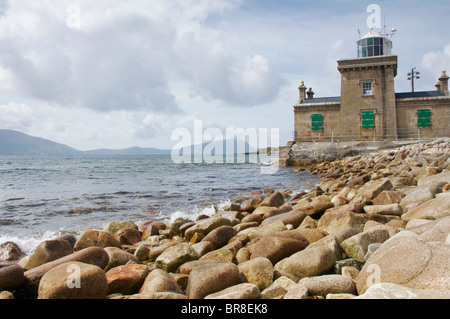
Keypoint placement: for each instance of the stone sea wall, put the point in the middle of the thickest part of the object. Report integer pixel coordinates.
(377, 226)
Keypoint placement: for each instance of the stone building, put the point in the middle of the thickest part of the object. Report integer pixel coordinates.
(369, 108)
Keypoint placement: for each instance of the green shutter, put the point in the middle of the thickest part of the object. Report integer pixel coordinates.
(424, 118)
(368, 119)
(317, 122)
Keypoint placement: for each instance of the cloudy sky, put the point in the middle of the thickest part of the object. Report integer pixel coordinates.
(116, 74)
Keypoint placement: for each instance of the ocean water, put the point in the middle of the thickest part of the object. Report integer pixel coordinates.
(43, 197)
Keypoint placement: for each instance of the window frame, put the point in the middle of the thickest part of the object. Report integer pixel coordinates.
(365, 90)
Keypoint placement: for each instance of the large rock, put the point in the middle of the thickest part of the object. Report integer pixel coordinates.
(394, 291)
(274, 200)
(95, 238)
(432, 209)
(118, 257)
(373, 188)
(126, 279)
(47, 251)
(328, 284)
(219, 237)
(391, 209)
(207, 279)
(309, 262)
(11, 278)
(276, 248)
(421, 194)
(160, 281)
(356, 246)
(243, 291)
(257, 271)
(388, 197)
(437, 230)
(74, 280)
(293, 218)
(175, 256)
(205, 226)
(128, 236)
(10, 251)
(266, 230)
(93, 255)
(408, 260)
(113, 226)
(333, 221)
(443, 177)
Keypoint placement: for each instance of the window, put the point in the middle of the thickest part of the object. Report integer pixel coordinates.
(367, 88)
(424, 118)
(317, 122)
(367, 119)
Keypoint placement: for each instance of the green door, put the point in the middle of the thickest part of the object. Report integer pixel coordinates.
(423, 118)
(317, 122)
(367, 119)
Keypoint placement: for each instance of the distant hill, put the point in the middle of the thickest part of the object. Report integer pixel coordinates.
(129, 151)
(16, 143)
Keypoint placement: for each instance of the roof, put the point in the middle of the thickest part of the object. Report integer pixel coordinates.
(408, 95)
(372, 34)
(321, 100)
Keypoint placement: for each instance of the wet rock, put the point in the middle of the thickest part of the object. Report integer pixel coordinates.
(11, 277)
(118, 257)
(274, 200)
(126, 279)
(220, 236)
(113, 227)
(47, 251)
(293, 218)
(175, 256)
(74, 280)
(95, 238)
(242, 291)
(208, 279)
(205, 226)
(128, 236)
(10, 251)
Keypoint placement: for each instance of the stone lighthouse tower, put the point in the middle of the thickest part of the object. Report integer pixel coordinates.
(367, 89)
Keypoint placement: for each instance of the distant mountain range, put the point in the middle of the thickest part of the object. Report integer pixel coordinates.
(17, 143)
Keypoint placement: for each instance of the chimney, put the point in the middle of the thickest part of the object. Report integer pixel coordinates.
(302, 89)
(438, 86)
(443, 80)
(310, 94)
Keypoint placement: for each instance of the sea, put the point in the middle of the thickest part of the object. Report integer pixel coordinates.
(44, 197)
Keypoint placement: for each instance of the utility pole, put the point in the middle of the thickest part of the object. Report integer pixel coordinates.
(414, 75)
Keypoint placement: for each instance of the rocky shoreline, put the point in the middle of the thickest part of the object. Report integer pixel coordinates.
(377, 226)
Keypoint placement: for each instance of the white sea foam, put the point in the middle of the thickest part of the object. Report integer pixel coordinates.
(29, 243)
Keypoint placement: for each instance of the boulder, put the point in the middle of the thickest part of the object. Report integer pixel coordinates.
(95, 238)
(408, 260)
(222, 254)
(128, 236)
(432, 209)
(298, 292)
(118, 257)
(207, 279)
(126, 279)
(74, 280)
(328, 284)
(373, 188)
(266, 230)
(202, 248)
(92, 255)
(276, 248)
(175, 256)
(391, 209)
(47, 251)
(243, 291)
(274, 200)
(443, 177)
(257, 271)
(113, 227)
(421, 194)
(309, 262)
(160, 281)
(333, 221)
(205, 226)
(11, 277)
(395, 291)
(434, 231)
(356, 246)
(293, 218)
(388, 197)
(10, 251)
(220, 236)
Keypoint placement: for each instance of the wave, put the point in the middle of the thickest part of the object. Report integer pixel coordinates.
(28, 244)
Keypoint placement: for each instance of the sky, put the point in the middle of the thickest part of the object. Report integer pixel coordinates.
(117, 74)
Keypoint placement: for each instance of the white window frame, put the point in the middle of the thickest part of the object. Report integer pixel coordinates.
(367, 88)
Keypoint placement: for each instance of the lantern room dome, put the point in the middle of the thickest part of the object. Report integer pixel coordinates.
(374, 44)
